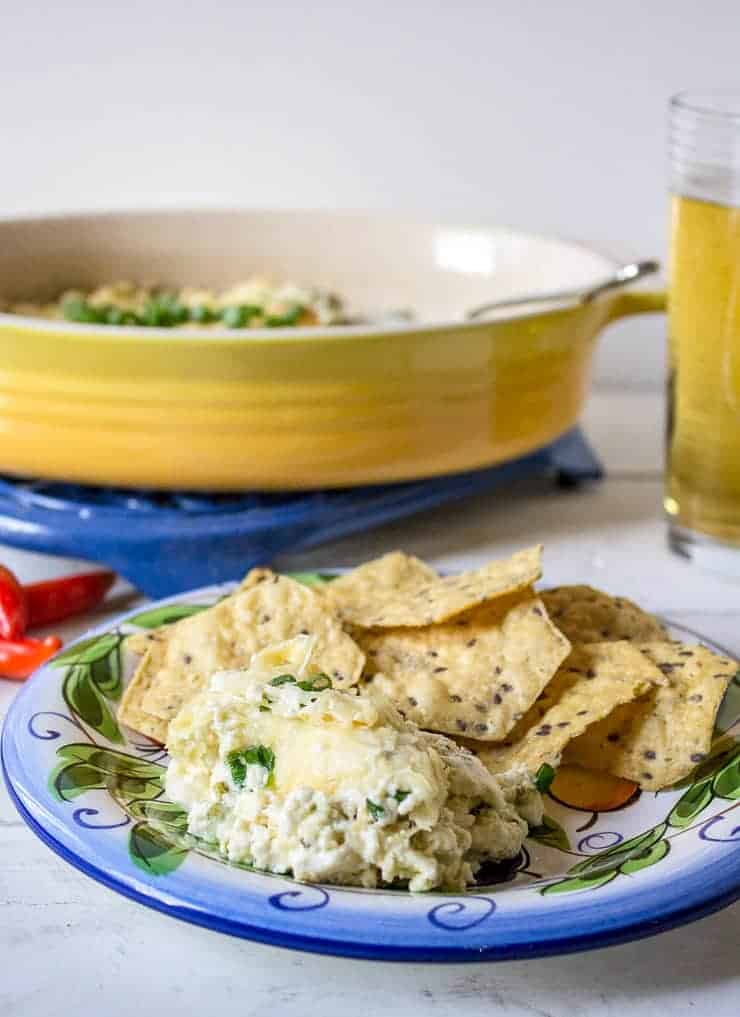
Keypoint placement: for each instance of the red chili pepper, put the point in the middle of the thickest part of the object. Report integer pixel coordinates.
(13, 606)
(57, 599)
(19, 658)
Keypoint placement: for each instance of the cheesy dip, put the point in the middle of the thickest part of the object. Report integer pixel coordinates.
(292, 776)
(257, 302)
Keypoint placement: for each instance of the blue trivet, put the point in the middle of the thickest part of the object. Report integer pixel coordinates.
(166, 542)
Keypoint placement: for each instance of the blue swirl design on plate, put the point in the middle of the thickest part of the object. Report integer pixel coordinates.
(732, 838)
(308, 898)
(79, 817)
(459, 915)
(600, 841)
(50, 734)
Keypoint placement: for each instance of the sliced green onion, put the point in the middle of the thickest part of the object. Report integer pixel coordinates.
(282, 320)
(77, 309)
(319, 683)
(283, 679)
(201, 314)
(239, 315)
(544, 778)
(375, 810)
(255, 755)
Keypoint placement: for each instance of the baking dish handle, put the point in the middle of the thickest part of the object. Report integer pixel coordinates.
(637, 302)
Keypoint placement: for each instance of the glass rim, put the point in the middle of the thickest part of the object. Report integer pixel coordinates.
(699, 102)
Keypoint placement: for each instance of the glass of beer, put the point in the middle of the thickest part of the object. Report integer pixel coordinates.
(702, 497)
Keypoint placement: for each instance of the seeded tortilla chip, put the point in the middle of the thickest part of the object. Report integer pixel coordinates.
(477, 674)
(586, 615)
(661, 737)
(140, 642)
(594, 680)
(359, 592)
(228, 634)
(254, 577)
(131, 712)
(365, 597)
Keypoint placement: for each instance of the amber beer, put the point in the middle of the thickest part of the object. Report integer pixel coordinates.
(703, 440)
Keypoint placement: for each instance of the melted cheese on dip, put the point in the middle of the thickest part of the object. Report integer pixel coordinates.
(335, 787)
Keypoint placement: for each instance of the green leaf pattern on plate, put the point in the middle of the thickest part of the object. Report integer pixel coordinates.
(94, 681)
(550, 833)
(153, 851)
(88, 703)
(167, 614)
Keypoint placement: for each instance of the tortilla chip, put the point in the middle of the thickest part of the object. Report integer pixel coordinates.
(477, 674)
(254, 577)
(357, 593)
(130, 712)
(594, 680)
(367, 599)
(140, 642)
(586, 615)
(661, 737)
(228, 634)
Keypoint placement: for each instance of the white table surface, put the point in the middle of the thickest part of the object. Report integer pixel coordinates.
(70, 946)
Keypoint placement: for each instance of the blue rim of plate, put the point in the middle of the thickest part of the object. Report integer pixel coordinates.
(683, 899)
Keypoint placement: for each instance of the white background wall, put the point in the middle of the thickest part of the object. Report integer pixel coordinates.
(546, 115)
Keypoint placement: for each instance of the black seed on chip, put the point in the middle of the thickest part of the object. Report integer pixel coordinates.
(649, 754)
(696, 697)
(303, 632)
(497, 698)
(613, 736)
(696, 757)
(264, 619)
(590, 673)
(497, 669)
(481, 728)
(646, 775)
(686, 653)
(187, 659)
(471, 642)
(544, 730)
(412, 701)
(432, 653)
(564, 723)
(455, 699)
(505, 687)
(581, 713)
(439, 670)
(537, 610)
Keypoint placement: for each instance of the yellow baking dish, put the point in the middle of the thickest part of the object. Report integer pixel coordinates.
(293, 408)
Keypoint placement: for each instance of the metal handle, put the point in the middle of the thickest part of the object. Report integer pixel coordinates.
(622, 277)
